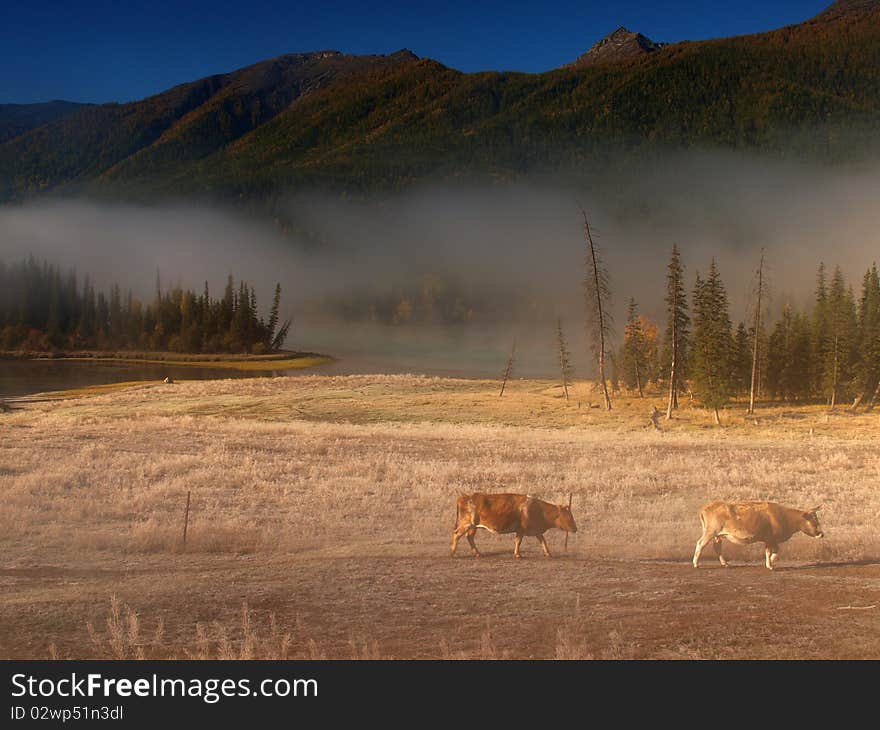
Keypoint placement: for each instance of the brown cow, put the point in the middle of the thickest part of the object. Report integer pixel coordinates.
(521, 514)
(746, 522)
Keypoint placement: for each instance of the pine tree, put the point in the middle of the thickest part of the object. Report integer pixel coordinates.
(116, 323)
(674, 357)
(564, 357)
(227, 307)
(710, 362)
(778, 354)
(743, 361)
(273, 316)
(869, 336)
(820, 330)
(798, 373)
(840, 352)
(633, 355)
(789, 354)
(88, 313)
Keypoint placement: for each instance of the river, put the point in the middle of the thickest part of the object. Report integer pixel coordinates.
(26, 377)
(468, 352)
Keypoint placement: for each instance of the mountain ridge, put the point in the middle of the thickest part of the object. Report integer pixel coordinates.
(17, 119)
(329, 120)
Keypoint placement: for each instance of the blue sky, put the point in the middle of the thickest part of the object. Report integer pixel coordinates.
(83, 50)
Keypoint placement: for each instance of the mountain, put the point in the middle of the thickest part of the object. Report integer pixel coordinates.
(621, 45)
(16, 119)
(849, 7)
(164, 132)
(327, 120)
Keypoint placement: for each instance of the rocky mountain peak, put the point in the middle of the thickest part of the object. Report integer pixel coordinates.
(620, 45)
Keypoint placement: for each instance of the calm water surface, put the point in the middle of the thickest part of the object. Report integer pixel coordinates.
(26, 377)
(457, 352)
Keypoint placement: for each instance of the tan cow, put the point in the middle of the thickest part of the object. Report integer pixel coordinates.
(520, 514)
(744, 523)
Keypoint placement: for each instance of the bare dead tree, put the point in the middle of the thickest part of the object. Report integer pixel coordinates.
(755, 350)
(509, 369)
(597, 293)
(564, 357)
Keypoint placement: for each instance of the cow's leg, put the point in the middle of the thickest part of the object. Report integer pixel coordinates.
(771, 553)
(704, 540)
(470, 538)
(457, 534)
(544, 545)
(517, 541)
(717, 542)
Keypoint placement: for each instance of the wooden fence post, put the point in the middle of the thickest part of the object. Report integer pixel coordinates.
(566, 532)
(186, 518)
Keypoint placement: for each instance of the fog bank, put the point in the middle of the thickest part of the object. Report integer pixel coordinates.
(519, 245)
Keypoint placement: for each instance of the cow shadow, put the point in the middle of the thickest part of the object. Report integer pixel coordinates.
(525, 557)
(797, 567)
(759, 565)
(860, 563)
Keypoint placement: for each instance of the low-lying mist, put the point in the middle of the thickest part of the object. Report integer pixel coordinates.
(512, 252)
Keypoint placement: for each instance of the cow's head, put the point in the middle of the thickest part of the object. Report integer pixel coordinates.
(566, 519)
(810, 523)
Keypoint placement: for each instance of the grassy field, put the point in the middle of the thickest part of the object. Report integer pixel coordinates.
(322, 509)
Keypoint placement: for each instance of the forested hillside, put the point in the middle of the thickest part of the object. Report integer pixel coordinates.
(366, 122)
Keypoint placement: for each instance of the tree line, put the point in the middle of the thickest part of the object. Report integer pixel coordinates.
(829, 354)
(43, 308)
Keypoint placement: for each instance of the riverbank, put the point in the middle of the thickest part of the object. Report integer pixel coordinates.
(284, 360)
(57, 376)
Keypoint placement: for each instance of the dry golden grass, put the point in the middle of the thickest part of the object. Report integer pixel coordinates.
(367, 399)
(273, 462)
(324, 469)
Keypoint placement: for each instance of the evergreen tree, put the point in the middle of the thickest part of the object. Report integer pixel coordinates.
(564, 357)
(789, 354)
(820, 330)
(710, 352)
(42, 310)
(743, 351)
(800, 355)
(674, 358)
(273, 316)
(837, 363)
(869, 336)
(633, 355)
